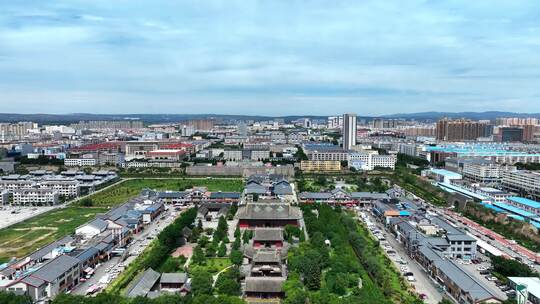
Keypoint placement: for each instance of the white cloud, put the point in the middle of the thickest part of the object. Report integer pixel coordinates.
(298, 56)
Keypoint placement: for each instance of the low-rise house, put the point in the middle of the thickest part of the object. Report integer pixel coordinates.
(88, 257)
(532, 287)
(174, 282)
(92, 228)
(143, 284)
(57, 276)
(150, 213)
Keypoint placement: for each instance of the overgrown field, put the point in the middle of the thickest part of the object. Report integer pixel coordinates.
(23, 238)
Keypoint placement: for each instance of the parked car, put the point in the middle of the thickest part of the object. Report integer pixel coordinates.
(485, 272)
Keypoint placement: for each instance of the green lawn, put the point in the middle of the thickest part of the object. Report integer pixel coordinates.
(213, 265)
(122, 192)
(23, 238)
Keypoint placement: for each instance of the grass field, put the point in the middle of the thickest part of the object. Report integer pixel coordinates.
(128, 189)
(23, 238)
(213, 265)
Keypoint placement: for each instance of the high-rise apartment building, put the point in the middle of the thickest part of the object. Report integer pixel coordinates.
(108, 124)
(511, 134)
(202, 124)
(462, 129)
(349, 131)
(517, 121)
(335, 122)
(530, 126)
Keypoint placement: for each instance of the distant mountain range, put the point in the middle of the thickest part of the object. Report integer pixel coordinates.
(433, 116)
(164, 118)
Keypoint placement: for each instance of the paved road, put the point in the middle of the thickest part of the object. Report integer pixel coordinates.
(424, 284)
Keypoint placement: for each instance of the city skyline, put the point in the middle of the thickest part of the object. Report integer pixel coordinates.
(277, 58)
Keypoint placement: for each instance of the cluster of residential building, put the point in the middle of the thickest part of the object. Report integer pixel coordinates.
(42, 187)
(328, 157)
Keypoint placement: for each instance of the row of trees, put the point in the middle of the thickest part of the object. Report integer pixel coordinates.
(512, 268)
(404, 159)
(206, 248)
(227, 283)
(106, 298)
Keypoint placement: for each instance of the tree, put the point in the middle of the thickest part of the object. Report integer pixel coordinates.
(302, 236)
(511, 268)
(237, 233)
(248, 234)
(292, 231)
(237, 257)
(227, 282)
(226, 240)
(236, 244)
(171, 265)
(211, 250)
(203, 241)
(321, 180)
(221, 230)
(87, 202)
(294, 292)
(198, 257)
(312, 274)
(11, 298)
(222, 250)
(201, 282)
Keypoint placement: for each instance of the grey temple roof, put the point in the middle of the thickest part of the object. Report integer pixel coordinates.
(264, 284)
(268, 234)
(269, 212)
(143, 284)
(223, 195)
(267, 256)
(174, 278)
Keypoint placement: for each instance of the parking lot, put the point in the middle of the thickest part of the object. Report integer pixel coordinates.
(11, 215)
(481, 272)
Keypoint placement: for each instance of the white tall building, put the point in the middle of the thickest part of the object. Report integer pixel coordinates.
(349, 131)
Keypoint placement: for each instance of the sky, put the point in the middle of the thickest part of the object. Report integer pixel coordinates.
(269, 57)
